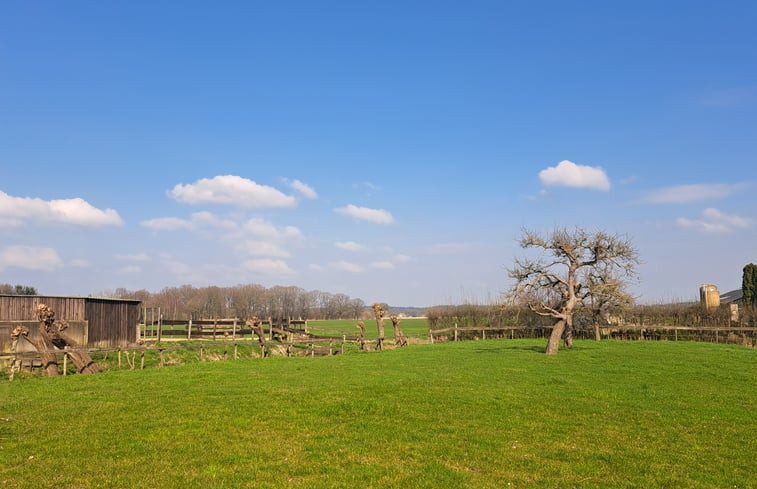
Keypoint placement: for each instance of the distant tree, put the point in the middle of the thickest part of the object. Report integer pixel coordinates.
(608, 295)
(749, 285)
(9, 289)
(569, 271)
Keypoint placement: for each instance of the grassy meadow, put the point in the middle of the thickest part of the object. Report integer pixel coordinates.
(411, 327)
(495, 413)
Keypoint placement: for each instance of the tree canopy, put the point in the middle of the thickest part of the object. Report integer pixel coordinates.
(573, 268)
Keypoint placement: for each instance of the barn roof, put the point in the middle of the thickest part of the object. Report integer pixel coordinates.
(112, 299)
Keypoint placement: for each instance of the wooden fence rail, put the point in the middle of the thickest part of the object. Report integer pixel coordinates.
(630, 331)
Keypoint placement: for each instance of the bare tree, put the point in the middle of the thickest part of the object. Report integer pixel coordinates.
(379, 312)
(568, 273)
(361, 336)
(608, 296)
(399, 338)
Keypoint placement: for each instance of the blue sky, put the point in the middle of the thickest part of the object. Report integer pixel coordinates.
(391, 151)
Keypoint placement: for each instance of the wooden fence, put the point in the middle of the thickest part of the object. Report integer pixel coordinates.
(289, 343)
(291, 346)
(214, 328)
(734, 335)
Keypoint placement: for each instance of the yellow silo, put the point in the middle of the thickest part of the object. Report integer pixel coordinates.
(709, 296)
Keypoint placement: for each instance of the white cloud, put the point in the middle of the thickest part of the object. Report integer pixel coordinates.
(383, 265)
(346, 266)
(30, 258)
(715, 221)
(350, 246)
(306, 190)
(267, 266)
(379, 216)
(263, 248)
(401, 258)
(264, 229)
(683, 194)
(15, 211)
(231, 190)
(255, 237)
(315, 267)
(168, 224)
(569, 174)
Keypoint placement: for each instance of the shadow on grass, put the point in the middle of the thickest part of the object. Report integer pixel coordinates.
(534, 349)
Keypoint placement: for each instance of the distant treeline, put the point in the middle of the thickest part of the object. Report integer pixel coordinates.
(245, 301)
(8, 289)
(687, 314)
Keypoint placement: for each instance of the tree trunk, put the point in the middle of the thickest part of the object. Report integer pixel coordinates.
(554, 338)
(567, 336)
(597, 336)
(399, 338)
(380, 341)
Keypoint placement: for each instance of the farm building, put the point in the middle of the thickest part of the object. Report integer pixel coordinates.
(95, 322)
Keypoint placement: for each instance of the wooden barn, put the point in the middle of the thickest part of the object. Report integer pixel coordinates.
(96, 322)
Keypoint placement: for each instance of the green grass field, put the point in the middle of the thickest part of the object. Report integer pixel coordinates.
(470, 414)
(411, 327)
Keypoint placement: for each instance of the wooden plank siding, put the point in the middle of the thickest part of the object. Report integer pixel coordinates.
(24, 307)
(112, 322)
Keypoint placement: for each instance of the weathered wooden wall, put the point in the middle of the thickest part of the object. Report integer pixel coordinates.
(76, 330)
(24, 307)
(112, 322)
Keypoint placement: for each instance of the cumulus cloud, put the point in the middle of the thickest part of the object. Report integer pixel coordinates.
(378, 216)
(683, 194)
(264, 229)
(267, 266)
(304, 189)
(30, 258)
(350, 246)
(254, 237)
(569, 174)
(383, 265)
(231, 190)
(168, 224)
(346, 266)
(715, 221)
(15, 211)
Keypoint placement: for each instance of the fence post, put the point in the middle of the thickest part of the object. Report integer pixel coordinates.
(483, 333)
(142, 360)
(189, 329)
(215, 326)
(455, 331)
(431, 335)
(65, 361)
(234, 329)
(344, 338)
